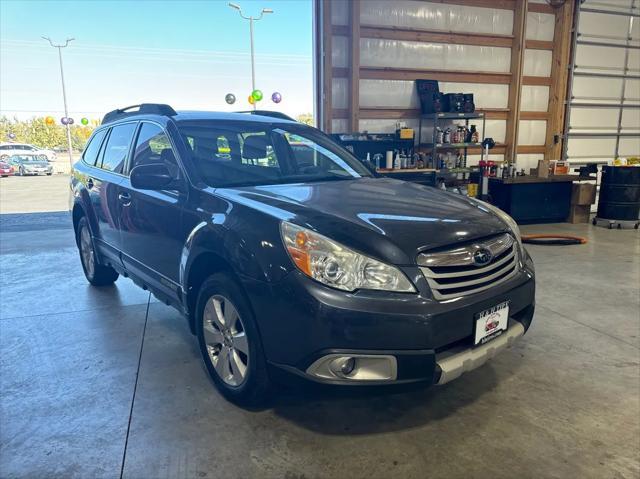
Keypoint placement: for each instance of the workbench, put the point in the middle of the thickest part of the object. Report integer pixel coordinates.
(530, 199)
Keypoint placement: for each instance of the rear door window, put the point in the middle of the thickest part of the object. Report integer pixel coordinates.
(117, 149)
(91, 151)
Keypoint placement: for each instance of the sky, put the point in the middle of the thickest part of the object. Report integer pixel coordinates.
(188, 54)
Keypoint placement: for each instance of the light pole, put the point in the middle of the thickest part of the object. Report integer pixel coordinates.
(251, 20)
(64, 92)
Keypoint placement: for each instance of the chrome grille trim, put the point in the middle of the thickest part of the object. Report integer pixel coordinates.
(464, 256)
(466, 278)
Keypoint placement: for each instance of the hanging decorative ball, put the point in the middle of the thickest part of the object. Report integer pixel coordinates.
(64, 120)
(251, 100)
(257, 95)
(230, 98)
(84, 121)
(276, 97)
(70, 121)
(49, 120)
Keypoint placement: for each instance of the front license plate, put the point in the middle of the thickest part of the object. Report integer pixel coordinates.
(491, 323)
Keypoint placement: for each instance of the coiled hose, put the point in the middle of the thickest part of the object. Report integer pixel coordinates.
(555, 240)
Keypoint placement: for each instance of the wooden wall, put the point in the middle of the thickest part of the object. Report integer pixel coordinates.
(354, 31)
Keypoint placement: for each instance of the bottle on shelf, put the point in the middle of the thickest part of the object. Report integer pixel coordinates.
(474, 136)
(447, 136)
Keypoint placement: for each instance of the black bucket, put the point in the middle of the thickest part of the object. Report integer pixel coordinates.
(620, 193)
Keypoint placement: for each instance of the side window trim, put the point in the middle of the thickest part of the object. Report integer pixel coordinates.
(132, 150)
(103, 147)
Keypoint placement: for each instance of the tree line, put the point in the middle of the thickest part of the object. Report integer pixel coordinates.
(36, 131)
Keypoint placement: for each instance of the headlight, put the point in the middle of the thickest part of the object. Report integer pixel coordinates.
(511, 223)
(337, 266)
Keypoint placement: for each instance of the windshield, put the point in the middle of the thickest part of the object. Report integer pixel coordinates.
(230, 154)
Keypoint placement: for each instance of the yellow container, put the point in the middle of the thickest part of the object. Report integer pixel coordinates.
(472, 189)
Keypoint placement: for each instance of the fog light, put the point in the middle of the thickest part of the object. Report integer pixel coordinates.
(343, 366)
(355, 367)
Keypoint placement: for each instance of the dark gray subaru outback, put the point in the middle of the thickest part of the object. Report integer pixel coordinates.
(286, 254)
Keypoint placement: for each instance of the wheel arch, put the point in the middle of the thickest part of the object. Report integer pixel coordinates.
(201, 267)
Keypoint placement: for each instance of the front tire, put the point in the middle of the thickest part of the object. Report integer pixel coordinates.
(96, 274)
(230, 343)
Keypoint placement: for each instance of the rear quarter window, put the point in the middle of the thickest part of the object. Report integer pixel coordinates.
(91, 151)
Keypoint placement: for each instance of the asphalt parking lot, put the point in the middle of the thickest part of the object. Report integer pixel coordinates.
(107, 382)
(28, 194)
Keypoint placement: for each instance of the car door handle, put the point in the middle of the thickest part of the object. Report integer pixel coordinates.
(125, 198)
(90, 184)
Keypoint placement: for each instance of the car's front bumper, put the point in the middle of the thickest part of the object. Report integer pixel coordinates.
(301, 322)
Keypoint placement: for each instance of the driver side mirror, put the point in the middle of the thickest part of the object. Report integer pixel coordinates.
(154, 176)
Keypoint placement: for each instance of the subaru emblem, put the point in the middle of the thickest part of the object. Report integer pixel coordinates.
(482, 257)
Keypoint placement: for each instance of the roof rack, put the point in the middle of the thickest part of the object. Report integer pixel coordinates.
(273, 114)
(143, 108)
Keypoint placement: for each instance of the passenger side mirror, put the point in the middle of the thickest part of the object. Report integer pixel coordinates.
(154, 176)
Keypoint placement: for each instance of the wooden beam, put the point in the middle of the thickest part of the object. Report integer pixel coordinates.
(559, 80)
(534, 115)
(326, 65)
(543, 8)
(411, 113)
(340, 72)
(341, 113)
(411, 74)
(515, 85)
(539, 45)
(536, 81)
(354, 67)
(502, 4)
(531, 149)
(435, 36)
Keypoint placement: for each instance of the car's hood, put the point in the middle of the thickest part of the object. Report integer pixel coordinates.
(375, 214)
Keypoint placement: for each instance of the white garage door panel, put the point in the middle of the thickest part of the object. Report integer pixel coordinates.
(588, 55)
(598, 24)
(631, 118)
(591, 146)
(629, 147)
(594, 118)
(597, 87)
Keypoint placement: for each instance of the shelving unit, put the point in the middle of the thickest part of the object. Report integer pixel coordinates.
(446, 119)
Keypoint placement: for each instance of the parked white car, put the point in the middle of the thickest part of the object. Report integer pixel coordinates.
(8, 150)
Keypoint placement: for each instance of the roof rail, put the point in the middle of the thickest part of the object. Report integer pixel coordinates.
(143, 108)
(274, 114)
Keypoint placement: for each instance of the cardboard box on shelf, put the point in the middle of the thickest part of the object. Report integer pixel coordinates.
(579, 214)
(583, 194)
(543, 169)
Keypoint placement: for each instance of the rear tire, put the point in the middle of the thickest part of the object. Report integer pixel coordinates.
(96, 273)
(230, 343)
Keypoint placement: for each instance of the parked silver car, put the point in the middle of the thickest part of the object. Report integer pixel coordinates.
(31, 164)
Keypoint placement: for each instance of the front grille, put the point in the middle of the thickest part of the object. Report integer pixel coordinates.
(455, 273)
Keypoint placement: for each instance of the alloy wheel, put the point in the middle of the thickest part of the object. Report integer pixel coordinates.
(86, 251)
(226, 340)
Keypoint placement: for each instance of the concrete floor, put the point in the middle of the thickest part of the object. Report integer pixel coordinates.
(108, 383)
